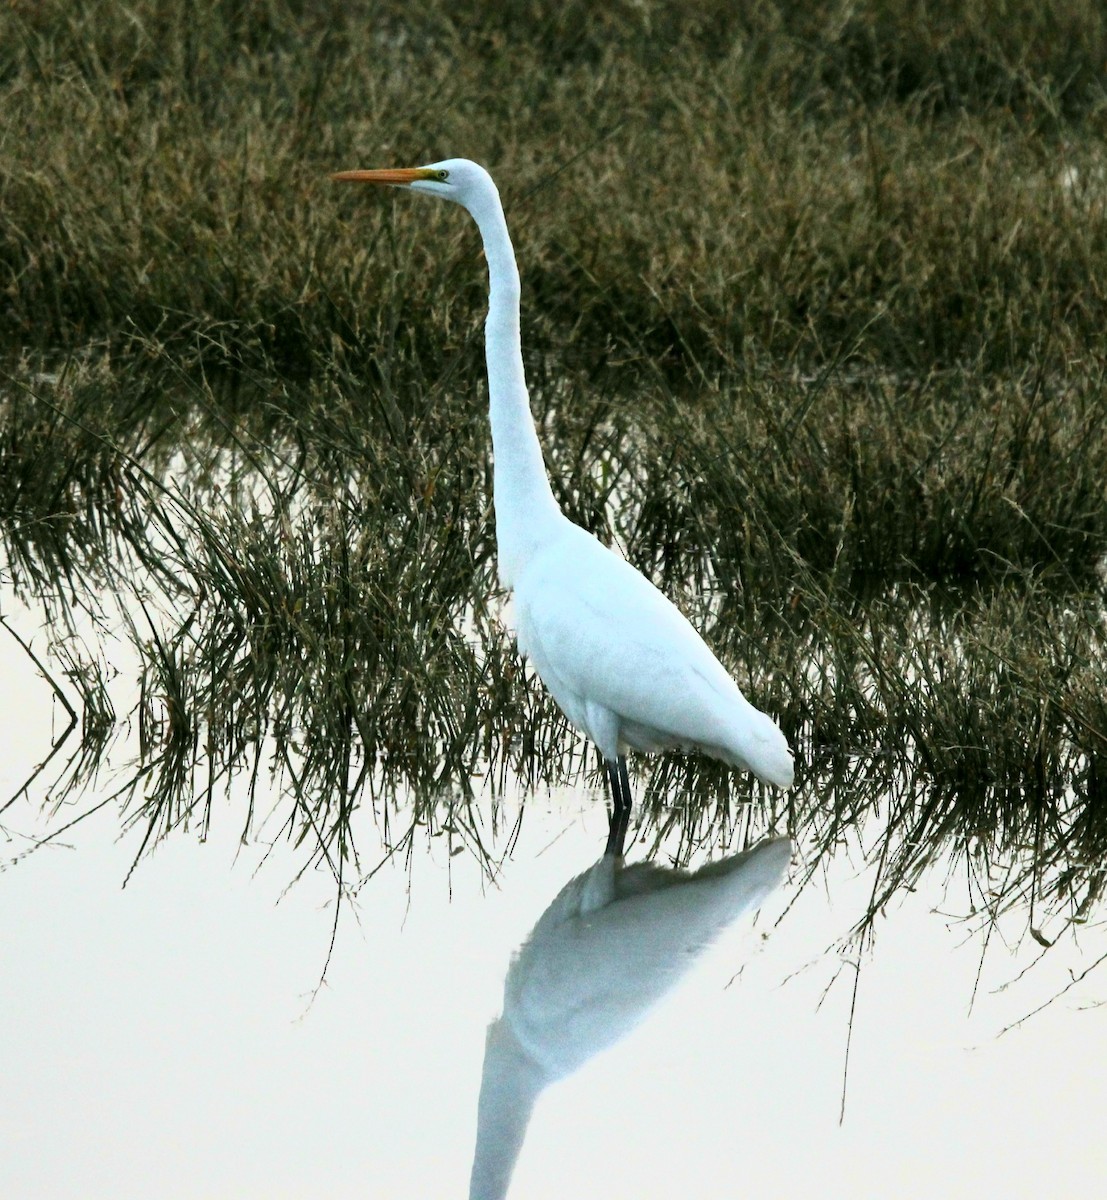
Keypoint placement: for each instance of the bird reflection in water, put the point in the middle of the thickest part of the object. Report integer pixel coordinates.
(612, 943)
(629, 671)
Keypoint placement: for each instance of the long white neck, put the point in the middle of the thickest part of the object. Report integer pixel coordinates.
(526, 512)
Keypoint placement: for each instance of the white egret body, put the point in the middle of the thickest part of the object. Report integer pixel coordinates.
(608, 948)
(622, 662)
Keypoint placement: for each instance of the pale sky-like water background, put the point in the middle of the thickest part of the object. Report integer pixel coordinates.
(161, 1040)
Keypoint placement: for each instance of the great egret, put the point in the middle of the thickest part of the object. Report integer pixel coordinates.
(622, 662)
(607, 949)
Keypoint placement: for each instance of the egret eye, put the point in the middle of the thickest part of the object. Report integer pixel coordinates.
(442, 176)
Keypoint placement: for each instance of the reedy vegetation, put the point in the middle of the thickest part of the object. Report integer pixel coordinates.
(813, 313)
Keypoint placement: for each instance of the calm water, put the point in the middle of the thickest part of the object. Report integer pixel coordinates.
(163, 1039)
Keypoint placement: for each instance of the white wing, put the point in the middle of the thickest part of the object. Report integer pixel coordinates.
(625, 665)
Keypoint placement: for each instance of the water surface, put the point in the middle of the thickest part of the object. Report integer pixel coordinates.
(167, 1038)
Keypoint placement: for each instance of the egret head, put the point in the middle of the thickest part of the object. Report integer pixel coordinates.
(455, 179)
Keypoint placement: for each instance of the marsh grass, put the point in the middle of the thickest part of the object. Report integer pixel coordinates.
(813, 321)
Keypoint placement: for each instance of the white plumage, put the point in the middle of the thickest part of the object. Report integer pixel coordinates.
(622, 662)
(627, 668)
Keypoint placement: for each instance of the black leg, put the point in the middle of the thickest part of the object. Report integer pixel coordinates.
(621, 805)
